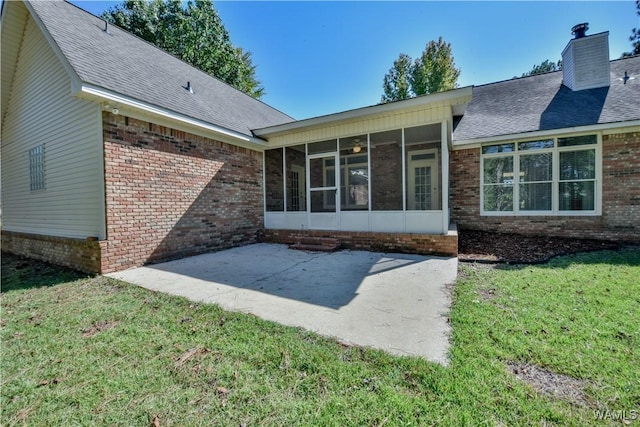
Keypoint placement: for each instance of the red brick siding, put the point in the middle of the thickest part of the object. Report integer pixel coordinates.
(171, 194)
(274, 181)
(425, 244)
(79, 254)
(386, 182)
(620, 219)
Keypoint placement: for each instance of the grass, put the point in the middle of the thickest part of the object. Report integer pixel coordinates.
(80, 350)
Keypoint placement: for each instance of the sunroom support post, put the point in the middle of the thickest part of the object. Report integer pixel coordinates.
(444, 141)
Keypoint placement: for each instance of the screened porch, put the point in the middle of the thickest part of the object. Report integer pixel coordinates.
(390, 181)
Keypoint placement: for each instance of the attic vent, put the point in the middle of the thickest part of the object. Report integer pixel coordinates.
(189, 87)
(626, 78)
(585, 60)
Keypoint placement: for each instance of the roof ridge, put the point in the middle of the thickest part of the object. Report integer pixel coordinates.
(514, 78)
(546, 73)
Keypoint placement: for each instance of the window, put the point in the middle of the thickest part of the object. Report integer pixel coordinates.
(549, 176)
(36, 168)
(354, 181)
(295, 164)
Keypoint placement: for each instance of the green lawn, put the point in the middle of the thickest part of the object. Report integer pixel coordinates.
(94, 351)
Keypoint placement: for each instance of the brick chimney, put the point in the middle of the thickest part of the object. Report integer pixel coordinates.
(585, 60)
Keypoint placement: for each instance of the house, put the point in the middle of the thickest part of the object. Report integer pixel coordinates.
(116, 154)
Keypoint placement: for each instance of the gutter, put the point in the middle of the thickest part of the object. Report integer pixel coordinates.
(366, 111)
(96, 93)
(472, 143)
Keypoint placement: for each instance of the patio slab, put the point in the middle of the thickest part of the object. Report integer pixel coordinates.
(398, 303)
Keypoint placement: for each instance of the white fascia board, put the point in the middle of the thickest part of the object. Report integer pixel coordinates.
(366, 111)
(473, 143)
(96, 93)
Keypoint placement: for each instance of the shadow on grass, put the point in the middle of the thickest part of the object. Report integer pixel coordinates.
(24, 273)
(627, 255)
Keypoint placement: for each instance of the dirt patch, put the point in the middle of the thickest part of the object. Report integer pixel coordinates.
(482, 246)
(189, 354)
(487, 294)
(551, 384)
(98, 327)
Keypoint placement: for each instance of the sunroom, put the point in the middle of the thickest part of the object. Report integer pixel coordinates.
(380, 169)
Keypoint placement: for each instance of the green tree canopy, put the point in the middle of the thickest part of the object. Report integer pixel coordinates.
(193, 33)
(545, 66)
(634, 38)
(397, 82)
(434, 71)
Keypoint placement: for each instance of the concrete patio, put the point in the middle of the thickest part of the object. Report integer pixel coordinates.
(398, 303)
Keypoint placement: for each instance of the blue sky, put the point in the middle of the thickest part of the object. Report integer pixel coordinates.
(316, 58)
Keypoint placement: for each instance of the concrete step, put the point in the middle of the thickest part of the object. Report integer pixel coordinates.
(317, 244)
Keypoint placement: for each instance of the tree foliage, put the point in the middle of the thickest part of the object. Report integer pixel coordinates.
(193, 33)
(434, 71)
(397, 82)
(545, 66)
(634, 38)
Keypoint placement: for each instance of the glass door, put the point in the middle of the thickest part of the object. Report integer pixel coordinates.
(323, 180)
(422, 191)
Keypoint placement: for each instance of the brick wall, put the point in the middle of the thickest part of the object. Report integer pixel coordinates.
(79, 254)
(386, 182)
(620, 219)
(274, 180)
(424, 244)
(171, 194)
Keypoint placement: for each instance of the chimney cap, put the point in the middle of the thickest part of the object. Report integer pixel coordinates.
(580, 30)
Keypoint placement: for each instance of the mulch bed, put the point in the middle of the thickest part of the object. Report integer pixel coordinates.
(482, 246)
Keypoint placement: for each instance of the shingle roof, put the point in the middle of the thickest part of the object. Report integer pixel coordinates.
(541, 102)
(122, 63)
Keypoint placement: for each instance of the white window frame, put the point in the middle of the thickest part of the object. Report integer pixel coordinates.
(555, 187)
(37, 173)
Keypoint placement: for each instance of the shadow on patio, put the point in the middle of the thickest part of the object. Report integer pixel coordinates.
(324, 279)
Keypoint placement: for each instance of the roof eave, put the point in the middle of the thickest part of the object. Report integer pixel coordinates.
(476, 142)
(124, 103)
(365, 111)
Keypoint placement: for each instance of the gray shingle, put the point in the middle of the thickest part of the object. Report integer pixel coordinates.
(542, 103)
(125, 64)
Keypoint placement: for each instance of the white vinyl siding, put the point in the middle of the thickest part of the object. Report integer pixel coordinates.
(415, 116)
(42, 112)
(14, 15)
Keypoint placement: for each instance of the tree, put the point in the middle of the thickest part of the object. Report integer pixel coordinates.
(634, 38)
(434, 71)
(194, 33)
(397, 83)
(545, 66)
